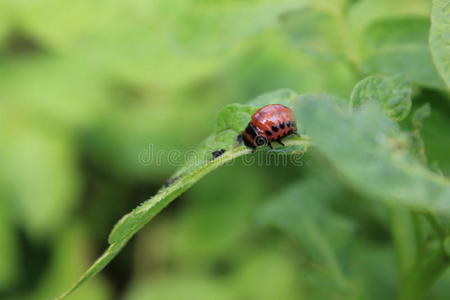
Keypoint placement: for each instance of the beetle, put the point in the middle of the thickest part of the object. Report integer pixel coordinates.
(269, 123)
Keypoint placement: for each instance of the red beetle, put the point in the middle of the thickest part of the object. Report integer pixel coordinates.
(269, 123)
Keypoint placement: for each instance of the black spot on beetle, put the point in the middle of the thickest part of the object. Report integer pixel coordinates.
(251, 130)
(282, 125)
(275, 128)
(288, 124)
(268, 132)
(218, 153)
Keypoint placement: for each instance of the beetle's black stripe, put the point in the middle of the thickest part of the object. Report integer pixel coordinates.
(247, 142)
(250, 130)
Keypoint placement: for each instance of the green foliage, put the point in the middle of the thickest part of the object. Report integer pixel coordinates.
(392, 93)
(229, 120)
(390, 44)
(367, 148)
(48, 152)
(64, 267)
(319, 29)
(420, 115)
(97, 266)
(409, 30)
(311, 30)
(439, 38)
(265, 276)
(405, 50)
(303, 212)
(8, 272)
(373, 155)
(103, 101)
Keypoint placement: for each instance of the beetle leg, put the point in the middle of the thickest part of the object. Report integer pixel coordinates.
(270, 145)
(280, 142)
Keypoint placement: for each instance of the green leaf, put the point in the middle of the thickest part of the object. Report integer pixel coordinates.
(234, 117)
(436, 138)
(392, 93)
(321, 29)
(376, 268)
(440, 38)
(97, 266)
(420, 115)
(398, 31)
(399, 46)
(302, 211)
(134, 221)
(373, 155)
(414, 61)
(365, 12)
(313, 31)
(230, 121)
(209, 227)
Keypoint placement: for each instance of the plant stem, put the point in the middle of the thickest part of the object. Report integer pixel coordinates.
(441, 232)
(420, 265)
(422, 277)
(418, 233)
(404, 239)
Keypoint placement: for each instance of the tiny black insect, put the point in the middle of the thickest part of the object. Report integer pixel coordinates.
(218, 153)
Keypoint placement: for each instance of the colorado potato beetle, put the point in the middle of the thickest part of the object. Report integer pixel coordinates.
(269, 123)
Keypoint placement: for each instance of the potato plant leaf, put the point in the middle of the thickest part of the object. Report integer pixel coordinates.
(302, 211)
(400, 45)
(393, 93)
(373, 155)
(230, 121)
(440, 38)
(365, 146)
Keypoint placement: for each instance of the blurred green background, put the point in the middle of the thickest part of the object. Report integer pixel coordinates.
(87, 85)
